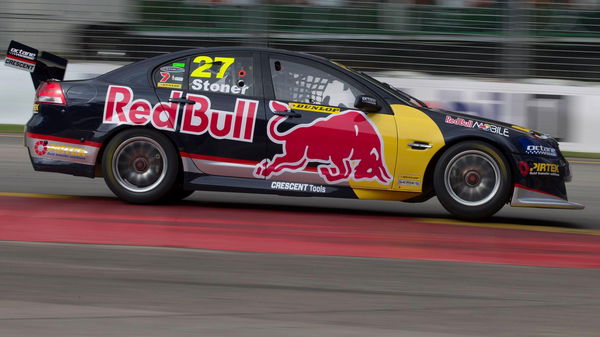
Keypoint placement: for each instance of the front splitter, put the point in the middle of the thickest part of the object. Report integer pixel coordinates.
(528, 197)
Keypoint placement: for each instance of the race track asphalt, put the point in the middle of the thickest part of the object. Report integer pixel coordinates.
(17, 175)
(51, 289)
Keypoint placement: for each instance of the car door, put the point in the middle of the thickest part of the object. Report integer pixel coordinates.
(316, 135)
(222, 118)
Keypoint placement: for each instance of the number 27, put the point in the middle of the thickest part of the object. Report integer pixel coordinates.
(206, 62)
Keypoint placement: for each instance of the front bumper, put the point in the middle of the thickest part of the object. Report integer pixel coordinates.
(528, 197)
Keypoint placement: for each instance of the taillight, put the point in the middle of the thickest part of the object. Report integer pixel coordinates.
(50, 92)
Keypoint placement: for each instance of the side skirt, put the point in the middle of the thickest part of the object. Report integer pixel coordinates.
(202, 182)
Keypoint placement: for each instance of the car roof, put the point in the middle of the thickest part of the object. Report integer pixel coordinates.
(135, 71)
(237, 49)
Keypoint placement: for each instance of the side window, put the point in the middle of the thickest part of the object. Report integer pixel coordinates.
(227, 74)
(298, 82)
(170, 75)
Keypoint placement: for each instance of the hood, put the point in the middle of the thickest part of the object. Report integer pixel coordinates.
(482, 119)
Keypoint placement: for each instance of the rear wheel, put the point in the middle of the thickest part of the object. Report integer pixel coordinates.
(140, 166)
(472, 180)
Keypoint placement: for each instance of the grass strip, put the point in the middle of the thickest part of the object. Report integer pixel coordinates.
(588, 155)
(11, 128)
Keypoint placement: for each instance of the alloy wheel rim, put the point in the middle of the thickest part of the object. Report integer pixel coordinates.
(472, 178)
(139, 164)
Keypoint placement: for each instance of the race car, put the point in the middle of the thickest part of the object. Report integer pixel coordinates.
(262, 120)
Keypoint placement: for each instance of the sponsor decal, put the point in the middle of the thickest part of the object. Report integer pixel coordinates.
(198, 84)
(368, 100)
(541, 150)
(66, 151)
(172, 69)
(205, 64)
(523, 168)
(346, 146)
(467, 123)
(237, 125)
(537, 148)
(544, 169)
(409, 180)
(539, 169)
(169, 85)
(312, 107)
(299, 187)
(36, 108)
(121, 108)
(179, 65)
(43, 148)
(20, 56)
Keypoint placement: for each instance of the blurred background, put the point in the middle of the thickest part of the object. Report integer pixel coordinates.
(532, 63)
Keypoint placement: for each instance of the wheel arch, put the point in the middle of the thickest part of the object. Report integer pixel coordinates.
(117, 130)
(505, 147)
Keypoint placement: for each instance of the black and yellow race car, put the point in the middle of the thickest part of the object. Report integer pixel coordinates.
(271, 121)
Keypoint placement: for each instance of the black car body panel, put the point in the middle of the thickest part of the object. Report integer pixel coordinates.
(226, 128)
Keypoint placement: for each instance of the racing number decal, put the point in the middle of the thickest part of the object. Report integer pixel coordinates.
(202, 70)
(206, 62)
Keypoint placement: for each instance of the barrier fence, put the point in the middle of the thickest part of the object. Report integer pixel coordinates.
(484, 38)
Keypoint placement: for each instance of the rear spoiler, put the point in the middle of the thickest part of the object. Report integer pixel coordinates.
(43, 65)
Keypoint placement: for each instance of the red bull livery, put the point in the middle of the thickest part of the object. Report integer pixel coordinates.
(271, 121)
(346, 146)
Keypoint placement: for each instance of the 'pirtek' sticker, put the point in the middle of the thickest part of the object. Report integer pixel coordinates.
(312, 107)
(198, 118)
(544, 169)
(539, 169)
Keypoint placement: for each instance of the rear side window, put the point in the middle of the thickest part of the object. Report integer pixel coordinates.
(171, 74)
(305, 83)
(222, 73)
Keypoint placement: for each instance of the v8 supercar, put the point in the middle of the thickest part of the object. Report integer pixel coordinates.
(272, 121)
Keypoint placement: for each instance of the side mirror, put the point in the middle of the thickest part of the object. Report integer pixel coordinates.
(367, 104)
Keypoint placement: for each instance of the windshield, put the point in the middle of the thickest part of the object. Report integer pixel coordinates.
(405, 96)
(410, 100)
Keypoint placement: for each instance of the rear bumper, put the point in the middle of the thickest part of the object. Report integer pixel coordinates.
(63, 155)
(528, 197)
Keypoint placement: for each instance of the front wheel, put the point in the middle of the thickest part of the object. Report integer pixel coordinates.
(472, 180)
(140, 166)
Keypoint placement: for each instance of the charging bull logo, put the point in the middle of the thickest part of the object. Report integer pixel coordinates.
(347, 146)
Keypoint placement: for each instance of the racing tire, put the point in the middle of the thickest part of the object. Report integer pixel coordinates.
(140, 166)
(472, 180)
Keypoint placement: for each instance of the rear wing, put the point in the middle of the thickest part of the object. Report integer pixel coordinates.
(43, 65)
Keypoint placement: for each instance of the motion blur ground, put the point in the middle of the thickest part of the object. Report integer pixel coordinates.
(87, 290)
